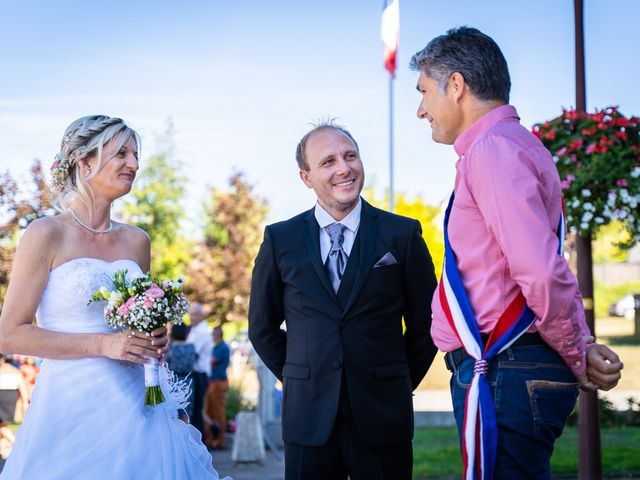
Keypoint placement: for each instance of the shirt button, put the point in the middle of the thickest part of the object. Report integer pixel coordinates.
(578, 363)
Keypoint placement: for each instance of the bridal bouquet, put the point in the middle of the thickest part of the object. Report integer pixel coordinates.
(144, 303)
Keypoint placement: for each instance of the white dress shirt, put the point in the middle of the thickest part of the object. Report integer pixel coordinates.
(351, 221)
(200, 336)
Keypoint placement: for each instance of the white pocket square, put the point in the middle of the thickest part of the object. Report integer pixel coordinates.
(387, 259)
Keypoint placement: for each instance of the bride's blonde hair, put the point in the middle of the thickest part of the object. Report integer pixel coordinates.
(84, 138)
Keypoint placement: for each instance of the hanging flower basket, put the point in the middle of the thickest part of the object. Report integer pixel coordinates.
(598, 159)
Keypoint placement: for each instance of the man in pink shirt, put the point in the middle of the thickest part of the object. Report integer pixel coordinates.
(503, 231)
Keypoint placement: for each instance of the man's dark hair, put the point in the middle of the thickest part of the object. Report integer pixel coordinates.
(471, 53)
(301, 156)
(179, 331)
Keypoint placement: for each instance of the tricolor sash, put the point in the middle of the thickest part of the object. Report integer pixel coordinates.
(480, 429)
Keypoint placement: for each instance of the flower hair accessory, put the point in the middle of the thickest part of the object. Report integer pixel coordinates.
(61, 166)
(60, 171)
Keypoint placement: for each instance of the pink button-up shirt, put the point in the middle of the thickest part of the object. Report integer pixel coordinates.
(503, 231)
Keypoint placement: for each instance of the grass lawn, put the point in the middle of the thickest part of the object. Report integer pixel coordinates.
(436, 452)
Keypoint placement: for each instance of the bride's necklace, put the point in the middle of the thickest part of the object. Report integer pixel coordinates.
(95, 231)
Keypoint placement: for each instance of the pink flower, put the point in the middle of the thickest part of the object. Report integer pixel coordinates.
(562, 151)
(154, 291)
(590, 149)
(148, 303)
(126, 306)
(567, 182)
(621, 183)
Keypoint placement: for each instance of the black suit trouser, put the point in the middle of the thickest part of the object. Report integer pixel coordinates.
(346, 455)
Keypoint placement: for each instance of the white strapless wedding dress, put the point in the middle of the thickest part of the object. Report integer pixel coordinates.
(87, 419)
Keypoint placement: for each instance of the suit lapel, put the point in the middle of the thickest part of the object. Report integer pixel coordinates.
(368, 233)
(312, 242)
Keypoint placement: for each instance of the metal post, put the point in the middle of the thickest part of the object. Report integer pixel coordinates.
(590, 462)
(391, 191)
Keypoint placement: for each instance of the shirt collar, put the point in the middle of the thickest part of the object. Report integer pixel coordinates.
(351, 221)
(488, 120)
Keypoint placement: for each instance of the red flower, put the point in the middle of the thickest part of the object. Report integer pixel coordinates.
(621, 122)
(589, 132)
(576, 144)
(622, 136)
(571, 114)
(550, 135)
(536, 131)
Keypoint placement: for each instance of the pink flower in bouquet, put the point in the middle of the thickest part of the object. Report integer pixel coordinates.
(154, 291)
(148, 303)
(126, 306)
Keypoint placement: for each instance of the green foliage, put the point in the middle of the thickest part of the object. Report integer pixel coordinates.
(428, 216)
(154, 205)
(237, 402)
(604, 295)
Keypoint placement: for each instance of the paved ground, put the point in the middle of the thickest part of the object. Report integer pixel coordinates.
(270, 469)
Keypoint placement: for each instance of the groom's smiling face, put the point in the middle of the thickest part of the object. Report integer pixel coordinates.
(335, 171)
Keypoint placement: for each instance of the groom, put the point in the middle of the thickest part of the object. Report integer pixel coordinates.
(343, 276)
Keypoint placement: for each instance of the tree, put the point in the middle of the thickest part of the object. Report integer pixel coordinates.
(610, 242)
(18, 208)
(219, 276)
(154, 205)
(429, 216)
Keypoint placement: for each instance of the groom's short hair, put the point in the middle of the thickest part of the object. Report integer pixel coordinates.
(301, 156)
(468, 51)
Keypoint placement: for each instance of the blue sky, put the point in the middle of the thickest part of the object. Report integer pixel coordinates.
(242, 80)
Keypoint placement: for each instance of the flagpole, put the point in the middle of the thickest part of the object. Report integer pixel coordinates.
(391, 192)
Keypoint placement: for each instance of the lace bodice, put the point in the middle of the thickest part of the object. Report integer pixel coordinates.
(64, 304)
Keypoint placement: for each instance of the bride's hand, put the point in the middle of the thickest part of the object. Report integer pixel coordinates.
(160, 341)
(134, 346)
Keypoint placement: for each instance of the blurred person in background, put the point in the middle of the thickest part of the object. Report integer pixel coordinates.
(215, 403)
(181, 358)
(200, 337)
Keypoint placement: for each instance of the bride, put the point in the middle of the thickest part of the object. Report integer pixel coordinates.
(87, 417)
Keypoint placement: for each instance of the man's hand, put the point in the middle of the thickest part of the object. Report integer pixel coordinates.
(603, 366)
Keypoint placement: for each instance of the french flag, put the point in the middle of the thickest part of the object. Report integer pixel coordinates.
(390, 33)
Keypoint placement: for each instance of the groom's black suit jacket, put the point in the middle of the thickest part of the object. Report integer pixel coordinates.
(351, 340)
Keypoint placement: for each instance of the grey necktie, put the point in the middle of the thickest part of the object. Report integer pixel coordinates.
(337, 259)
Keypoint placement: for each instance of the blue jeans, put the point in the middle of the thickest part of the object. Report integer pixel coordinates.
(534, 392)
